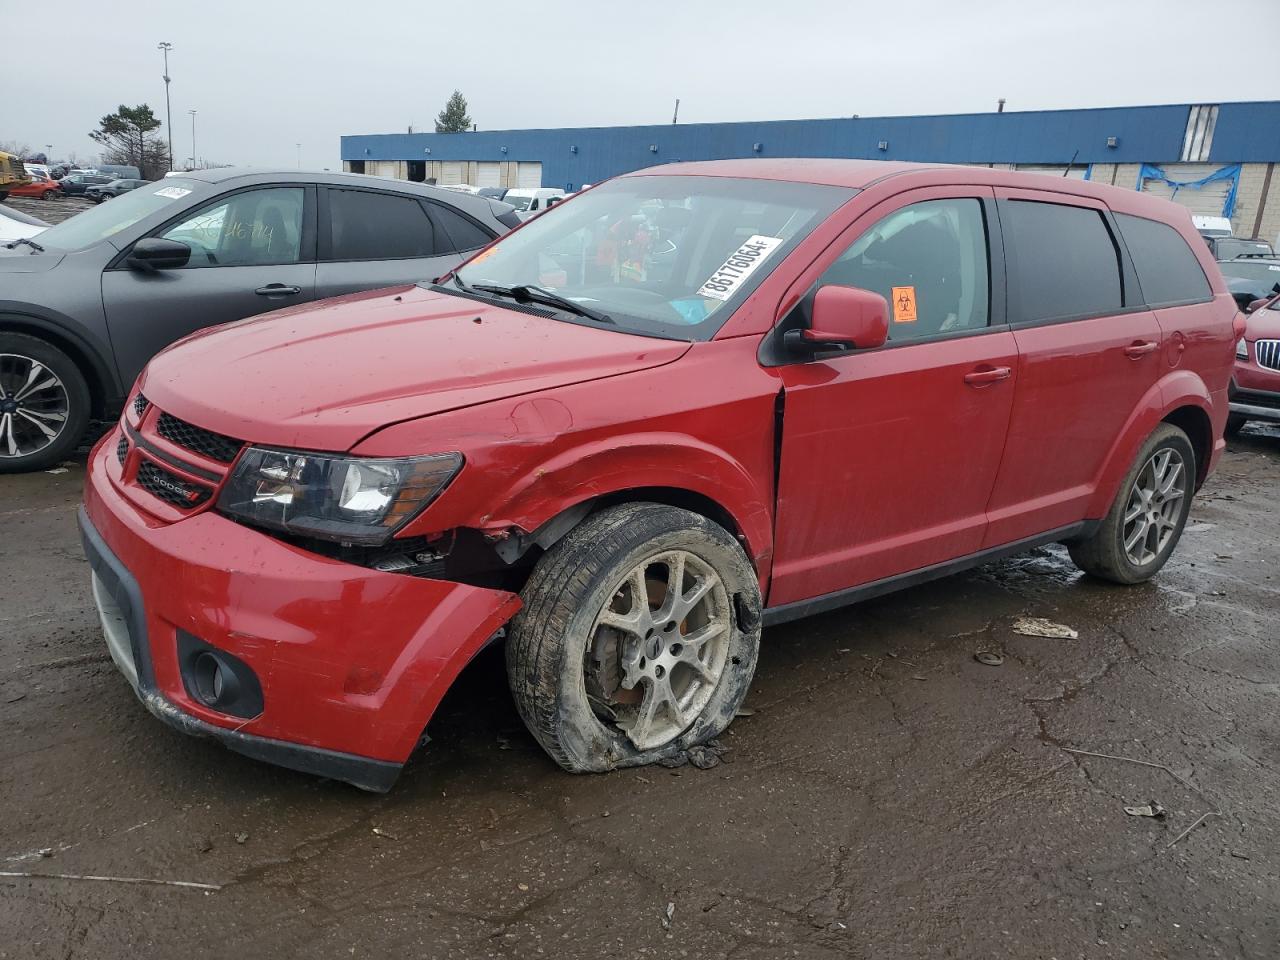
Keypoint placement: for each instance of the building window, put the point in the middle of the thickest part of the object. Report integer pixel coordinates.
(1198, 140)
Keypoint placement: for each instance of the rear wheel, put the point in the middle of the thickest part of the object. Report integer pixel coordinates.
(1145, 522)
(44, 404)
(638, 638)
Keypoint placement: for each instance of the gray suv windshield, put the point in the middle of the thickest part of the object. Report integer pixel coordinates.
(102, 223)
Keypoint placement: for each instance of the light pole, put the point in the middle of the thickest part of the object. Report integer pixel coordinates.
(299, 146)
(168, 112)
(48, 151)
(193, 137)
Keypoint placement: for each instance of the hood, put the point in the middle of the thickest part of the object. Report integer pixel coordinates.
(1263, 325)
(324, 376)
(24, 259)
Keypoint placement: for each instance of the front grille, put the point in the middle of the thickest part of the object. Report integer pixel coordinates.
(1268, 353)
(170, 487)
(139, 405)
(204, 442)
(122, 450)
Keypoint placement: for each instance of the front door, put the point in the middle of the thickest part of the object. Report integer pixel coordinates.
(251, 252)
(889, 455)
(1089, 352)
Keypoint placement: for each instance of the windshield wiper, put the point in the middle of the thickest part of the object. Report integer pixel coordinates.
(28, 241)
(528, 293)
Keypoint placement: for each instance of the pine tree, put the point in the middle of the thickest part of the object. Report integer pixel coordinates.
(453, 118)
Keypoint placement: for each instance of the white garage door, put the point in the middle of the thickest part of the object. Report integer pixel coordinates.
(488, 174)
(1207, 200)
(452, 171)
(529, 175)
(1054, 170)
(382, 168)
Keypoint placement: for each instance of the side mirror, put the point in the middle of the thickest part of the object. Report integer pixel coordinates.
(844, 317)
(155, 253)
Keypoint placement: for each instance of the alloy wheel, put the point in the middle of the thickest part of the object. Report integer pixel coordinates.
(1155, 506)
(658, 648)
(34, 406)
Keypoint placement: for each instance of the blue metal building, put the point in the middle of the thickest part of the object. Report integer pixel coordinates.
(1166, 148)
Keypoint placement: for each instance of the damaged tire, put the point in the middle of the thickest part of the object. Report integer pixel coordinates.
(637, 640)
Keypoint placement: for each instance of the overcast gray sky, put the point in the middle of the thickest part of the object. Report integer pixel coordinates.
(267, 75)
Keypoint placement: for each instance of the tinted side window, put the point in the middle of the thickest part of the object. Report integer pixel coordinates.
(465, 234)
(378, 226)
(929, 261)
(1168, 271)
(1063, 262)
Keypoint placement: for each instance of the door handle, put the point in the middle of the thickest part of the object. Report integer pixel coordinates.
(987, 375)
(1140, 348)
(278, 290)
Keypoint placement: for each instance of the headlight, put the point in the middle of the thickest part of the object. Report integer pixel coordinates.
(1242, 349)
(351, 499)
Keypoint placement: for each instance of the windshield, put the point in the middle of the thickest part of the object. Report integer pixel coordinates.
(664, 256)
(102, 222)
(1231, 249)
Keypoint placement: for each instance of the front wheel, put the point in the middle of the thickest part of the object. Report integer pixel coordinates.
(1138, 534)
(44, 404)
(49, 195)
(638, 638)
(1235, 423)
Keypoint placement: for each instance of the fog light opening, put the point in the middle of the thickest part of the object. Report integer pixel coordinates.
(215, 684)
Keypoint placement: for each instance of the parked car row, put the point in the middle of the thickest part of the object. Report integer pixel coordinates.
(687, 403)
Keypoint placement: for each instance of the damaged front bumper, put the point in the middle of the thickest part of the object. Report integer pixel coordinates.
(351, 662)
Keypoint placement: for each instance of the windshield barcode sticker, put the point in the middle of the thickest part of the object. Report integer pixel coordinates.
(743, 262)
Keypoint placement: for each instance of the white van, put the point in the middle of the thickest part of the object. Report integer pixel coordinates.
(530, 201)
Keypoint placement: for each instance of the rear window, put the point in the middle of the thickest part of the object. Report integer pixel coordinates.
(378, 226)
(463, 232)
(1168, 271)
(1063, 262)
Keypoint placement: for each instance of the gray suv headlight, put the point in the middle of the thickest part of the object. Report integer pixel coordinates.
(334, 497)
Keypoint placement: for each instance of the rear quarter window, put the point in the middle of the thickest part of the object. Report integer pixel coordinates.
(1063, 262)
(1168, 272)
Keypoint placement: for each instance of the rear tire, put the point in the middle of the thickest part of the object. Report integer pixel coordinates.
(1143, 526)
(1234, 424)
(25, 418)
(598, 696)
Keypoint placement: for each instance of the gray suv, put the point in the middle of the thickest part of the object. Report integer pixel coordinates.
(84, 305)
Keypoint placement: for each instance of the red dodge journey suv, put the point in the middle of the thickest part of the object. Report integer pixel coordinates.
(688, 403)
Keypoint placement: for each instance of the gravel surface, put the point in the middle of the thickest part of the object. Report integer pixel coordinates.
(891, 796)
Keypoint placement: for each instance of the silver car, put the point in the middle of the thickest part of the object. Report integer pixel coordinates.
(85, 304)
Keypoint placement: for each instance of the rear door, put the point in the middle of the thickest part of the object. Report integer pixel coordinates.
(1089, 351)
(371, 239)
(889, 455)
(251, 251)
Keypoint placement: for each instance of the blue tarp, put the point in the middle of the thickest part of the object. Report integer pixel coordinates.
(1230, 172)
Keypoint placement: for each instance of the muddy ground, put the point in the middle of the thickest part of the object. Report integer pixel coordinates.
(890, 796)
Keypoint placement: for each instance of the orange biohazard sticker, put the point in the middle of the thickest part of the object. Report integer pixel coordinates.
(904, 304)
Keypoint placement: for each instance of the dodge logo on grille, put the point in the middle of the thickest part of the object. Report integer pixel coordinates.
(181, 489)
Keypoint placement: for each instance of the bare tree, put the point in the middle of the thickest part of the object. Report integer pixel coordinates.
(16, 147)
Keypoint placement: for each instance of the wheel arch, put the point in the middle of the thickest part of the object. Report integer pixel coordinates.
(103, 391)
(1181, 399)
(1194, 421)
